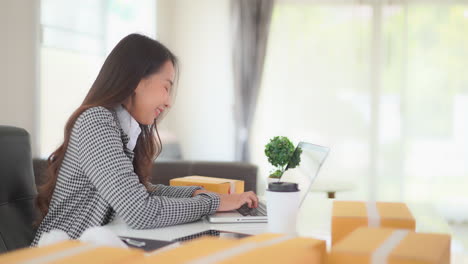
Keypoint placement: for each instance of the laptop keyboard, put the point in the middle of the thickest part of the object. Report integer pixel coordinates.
(245, 210)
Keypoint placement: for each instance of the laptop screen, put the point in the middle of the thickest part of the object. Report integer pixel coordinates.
(305, 172)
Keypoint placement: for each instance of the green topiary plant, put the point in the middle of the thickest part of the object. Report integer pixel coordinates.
(279, 151)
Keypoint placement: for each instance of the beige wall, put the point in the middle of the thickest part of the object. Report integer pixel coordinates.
(18, 45)
(202, 117)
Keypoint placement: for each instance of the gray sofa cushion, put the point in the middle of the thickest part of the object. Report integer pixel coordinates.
(163, 171)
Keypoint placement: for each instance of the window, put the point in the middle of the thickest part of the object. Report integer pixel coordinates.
(383, 83)
(76, 38)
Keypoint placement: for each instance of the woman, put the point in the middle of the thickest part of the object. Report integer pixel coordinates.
(102, 169)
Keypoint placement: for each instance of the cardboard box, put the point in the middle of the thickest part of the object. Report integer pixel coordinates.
(212, 184)
(392, 246)
(71, 252)
(264, 248)
(348, 216)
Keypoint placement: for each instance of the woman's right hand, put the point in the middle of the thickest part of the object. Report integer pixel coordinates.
(229, 202)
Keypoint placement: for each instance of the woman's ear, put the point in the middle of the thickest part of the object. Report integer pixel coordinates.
(141, 86)
(128, 102)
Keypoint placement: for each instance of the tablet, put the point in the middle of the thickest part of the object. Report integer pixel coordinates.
(145, 244)
(212, 233)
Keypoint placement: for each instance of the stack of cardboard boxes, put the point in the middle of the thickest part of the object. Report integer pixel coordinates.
(380, 232)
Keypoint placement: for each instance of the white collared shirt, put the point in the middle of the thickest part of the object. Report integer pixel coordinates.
(129, 125)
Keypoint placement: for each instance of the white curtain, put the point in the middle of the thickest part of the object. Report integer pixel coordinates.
(383, 83)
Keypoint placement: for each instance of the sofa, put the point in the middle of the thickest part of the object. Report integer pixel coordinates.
(163, 171)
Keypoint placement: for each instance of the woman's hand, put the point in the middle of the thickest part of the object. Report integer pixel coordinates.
(199, 191)
(234, 201)
(229, 202)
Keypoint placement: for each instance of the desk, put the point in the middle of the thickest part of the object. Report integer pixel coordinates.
(314, 220)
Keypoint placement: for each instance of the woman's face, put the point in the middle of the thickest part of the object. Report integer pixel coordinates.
(152, 95)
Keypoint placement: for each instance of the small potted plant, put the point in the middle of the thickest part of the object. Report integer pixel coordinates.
(280, 151)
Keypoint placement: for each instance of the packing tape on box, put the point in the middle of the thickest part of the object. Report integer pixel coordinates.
(62, 254)
(373, 215)
(381, 254)
(232, 188)
(242, 248)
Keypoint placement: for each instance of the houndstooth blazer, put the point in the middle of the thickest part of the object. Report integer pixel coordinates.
(97, 181)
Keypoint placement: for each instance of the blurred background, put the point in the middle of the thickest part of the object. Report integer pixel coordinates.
(383, 83)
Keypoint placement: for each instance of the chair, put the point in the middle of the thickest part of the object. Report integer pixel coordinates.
(17, 189)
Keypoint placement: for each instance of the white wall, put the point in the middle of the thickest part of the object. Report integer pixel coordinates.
(18, 46)
(202, 118)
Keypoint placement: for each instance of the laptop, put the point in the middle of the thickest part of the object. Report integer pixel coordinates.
(312, 158)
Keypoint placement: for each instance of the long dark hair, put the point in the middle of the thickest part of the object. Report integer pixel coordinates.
(134, 58)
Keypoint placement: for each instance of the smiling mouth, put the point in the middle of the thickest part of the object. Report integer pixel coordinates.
(157, 112)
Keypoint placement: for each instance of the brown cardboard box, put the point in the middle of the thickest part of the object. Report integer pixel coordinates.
(392, 246)
(348, 216)
(264, 248)
(71, 252)
(218, 185)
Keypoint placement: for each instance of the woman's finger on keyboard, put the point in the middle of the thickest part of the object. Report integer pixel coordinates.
(254, 199)
(249, 202)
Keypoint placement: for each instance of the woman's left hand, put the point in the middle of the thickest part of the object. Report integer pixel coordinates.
(199, 191)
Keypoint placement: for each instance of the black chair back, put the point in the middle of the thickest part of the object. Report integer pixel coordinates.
(17, 189)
